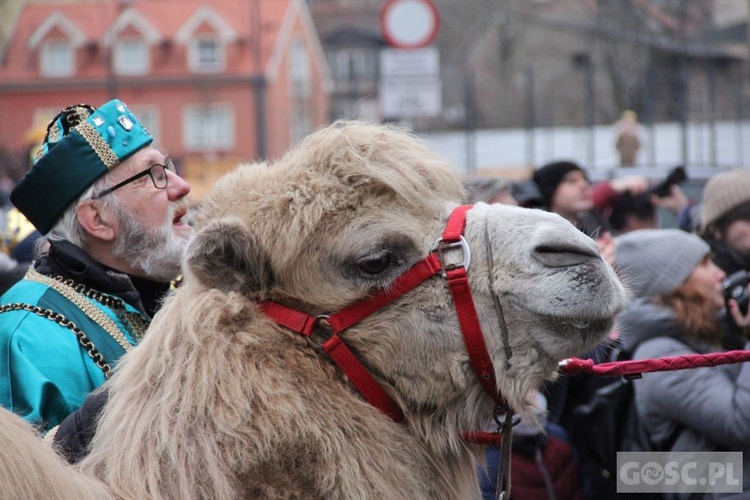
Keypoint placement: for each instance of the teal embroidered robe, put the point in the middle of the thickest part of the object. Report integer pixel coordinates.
(45, 373)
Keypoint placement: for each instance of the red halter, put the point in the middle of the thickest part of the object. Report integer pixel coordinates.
(458, 282)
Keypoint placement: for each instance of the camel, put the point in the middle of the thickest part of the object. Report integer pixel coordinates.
(223, 399)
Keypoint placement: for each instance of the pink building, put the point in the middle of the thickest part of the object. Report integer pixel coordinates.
(215, 81)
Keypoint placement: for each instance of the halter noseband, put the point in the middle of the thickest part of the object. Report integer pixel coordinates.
(458, 283)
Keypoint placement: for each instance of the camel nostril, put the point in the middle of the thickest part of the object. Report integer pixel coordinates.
(564, 254)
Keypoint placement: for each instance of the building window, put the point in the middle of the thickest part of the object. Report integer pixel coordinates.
(362, 65)
(131, 56)
(299, 70)
(208, 127)
(340, 64)
(57, 58)
(301, 122)
(353, 65)
(206, 54)
(301, 91)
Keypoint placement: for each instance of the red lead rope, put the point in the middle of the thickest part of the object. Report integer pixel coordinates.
(631, 369)
(634, 368)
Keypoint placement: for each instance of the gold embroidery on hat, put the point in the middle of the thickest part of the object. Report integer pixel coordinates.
(53, 135)
(83, 112)
(108, 157)
(39, 154)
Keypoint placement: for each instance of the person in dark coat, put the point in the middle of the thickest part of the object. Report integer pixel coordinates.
(110, 209)
(566, 190)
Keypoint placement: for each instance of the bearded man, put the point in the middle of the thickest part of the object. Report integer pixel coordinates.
(109, 208)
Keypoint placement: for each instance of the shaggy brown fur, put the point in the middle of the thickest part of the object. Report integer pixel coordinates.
(220, 402)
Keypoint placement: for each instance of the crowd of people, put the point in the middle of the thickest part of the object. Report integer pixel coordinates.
(677, 279)
(105, 213)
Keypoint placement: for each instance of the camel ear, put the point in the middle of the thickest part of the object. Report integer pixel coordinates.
(226, 256)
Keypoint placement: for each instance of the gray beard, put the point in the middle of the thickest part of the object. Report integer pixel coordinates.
(157, 252)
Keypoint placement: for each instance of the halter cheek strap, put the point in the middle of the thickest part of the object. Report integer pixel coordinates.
(458, 283)
(434, 263)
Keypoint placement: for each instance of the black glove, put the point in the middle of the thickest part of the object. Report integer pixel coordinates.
(77, 430)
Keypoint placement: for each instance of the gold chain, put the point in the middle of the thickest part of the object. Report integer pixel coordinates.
(61, 320)
(135, 322)
(89, 309)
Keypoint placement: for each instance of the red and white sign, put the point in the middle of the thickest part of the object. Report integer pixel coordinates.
(409, 24)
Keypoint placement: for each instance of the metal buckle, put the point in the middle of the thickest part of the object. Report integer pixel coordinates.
(440, 248)
(322, 322)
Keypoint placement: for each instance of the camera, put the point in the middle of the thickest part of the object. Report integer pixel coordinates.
(735, 287)
(678, 175)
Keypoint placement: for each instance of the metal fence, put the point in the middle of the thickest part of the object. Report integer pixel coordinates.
(717, 145)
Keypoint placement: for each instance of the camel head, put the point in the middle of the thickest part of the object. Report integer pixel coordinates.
(353, 207)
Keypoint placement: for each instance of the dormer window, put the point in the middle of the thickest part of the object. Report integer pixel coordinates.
(206, 54)
(131, 56)
(57, 58)
(55, 41)
(130, 39)
(206, 35)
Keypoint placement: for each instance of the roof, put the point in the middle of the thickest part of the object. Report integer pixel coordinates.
(90, 23)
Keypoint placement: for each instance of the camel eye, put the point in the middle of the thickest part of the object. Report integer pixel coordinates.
(376, 264)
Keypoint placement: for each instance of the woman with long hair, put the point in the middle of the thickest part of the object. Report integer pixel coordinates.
(677, 309)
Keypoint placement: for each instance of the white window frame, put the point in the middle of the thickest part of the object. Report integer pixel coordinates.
(57, 58)
(208, 127)
(135, 62)
(353, 64)
(300, 73)
(195, 51)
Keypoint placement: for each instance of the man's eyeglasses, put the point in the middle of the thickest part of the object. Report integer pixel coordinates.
(158, 174)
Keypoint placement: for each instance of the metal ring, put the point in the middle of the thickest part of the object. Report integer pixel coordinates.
(322, 321)
(440, 247)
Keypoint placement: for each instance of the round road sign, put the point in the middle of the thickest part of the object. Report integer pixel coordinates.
(409, 24)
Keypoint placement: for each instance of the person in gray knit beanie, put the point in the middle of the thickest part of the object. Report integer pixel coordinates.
(682, 410)
(724, 193)
(656, 261)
